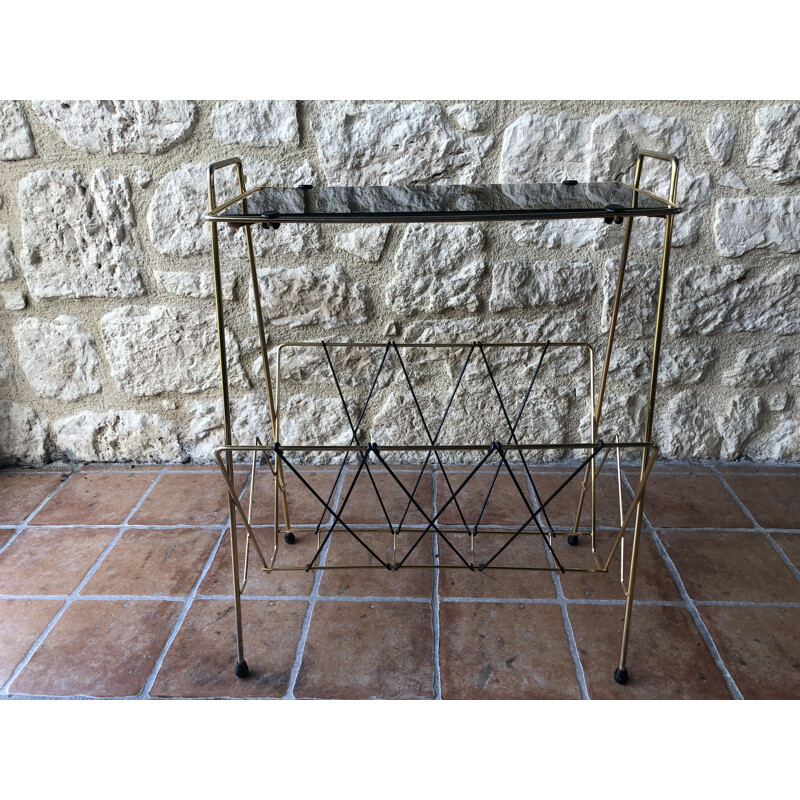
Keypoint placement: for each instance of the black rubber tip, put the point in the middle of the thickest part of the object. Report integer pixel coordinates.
(241, 670)
(572, 541)
(289, 538)
(621, 676)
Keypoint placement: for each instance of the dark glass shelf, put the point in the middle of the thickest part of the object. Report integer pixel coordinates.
(441, 203)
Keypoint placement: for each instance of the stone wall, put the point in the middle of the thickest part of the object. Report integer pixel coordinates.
(107, 340)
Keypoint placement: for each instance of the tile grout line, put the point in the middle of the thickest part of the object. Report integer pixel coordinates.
(312, 597)
(75, 593)
(688, 603)
(435, 599)
(763, 531)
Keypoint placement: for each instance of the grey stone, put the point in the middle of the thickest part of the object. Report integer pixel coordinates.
(77, 239)
(739, 422)
(160, 349)
(778, 402)
(143, 178)
(577, 234)
(119, 126)
(262, 123)
(684, 366)
(117, 436)
(6, 366)
(636, 316)
(630, 362)
(16, 139)
(752, 223)
(23, 434)
(58, 358)
(516, 284)
(623, 417)
(296, 296)
(180, 201)
(784, 440)
(732, 297)
(437, 267)
(367, 243)
(720, 137)
(362, 144)
(689, 429)
(776, 147)
(7, 260)
(467, 117)
(733, 181)
(764, 366)
(13, 301)
(318, 422)
(194, 284)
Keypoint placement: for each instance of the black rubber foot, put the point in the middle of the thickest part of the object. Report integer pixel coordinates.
(242, 670)
(572, 541)
(621, 676)
(289, 538)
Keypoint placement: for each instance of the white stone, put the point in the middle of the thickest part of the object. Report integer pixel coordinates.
(180, 201)
(739, 422)
(467, 117)
(764, 366)
(636, 316)
(77, 240)
(630, 362)
(296, 296)
(688, 429)
(23, 434)
(623, 416)
(733, 181)
(7, 260)
(720, 136)
(397, 422)
(778, 402)
(577, 234)
(262, 123)
(58, 358)
(538, 148)
(437, 267)
(143, 178)
(367, 243)
(362, 144)
(163, 348)
(6, 366)
(194, 284)
(16, 140)
(516, 284)
(318, 422)
(776, 148)
(752, 223)
(685, 366)
(13, 301)
(732, 297)
(783, 443)
(119, 126)
(117, 436)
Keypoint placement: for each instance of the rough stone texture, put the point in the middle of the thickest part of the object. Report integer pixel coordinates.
(720, 137)
(394, 143)
(117, 436)
(519, 285)
(592, 234)
(733, 181)
(58, 358)
(467, 117)
(175, 215)
(249, 419)
(23, 434)
(763, 367)
(740, 420)
(686, 365)
(6, 365)
(297, 296)
(689, 427)
(752, 223)
(119, 126)
(437, 267)
(307, 421)
(7, 260)
(776, 148)
(262, 123)
(367, 243)
(784, 440)
(160, 349)
(16, 139)
(639, 297)
(734, 297)
(194, 284)
(77, 238)
(13, 301)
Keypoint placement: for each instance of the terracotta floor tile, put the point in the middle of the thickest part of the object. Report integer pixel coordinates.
(734, 566)
(363, 507)
(304, 508)
(21, 622)
(653, 581)
(5, 535)
(201, 660)
(758, 469)
(405, 582)
(363, 650)
(21, 492)
(211, 467)
(219, 578)
(186, 499)
(164, 562)
(760, 647)
(504, 651)
(790, 544)
(111, 466)
(773, 500)
(667, 657)
(99, 648)
(51, 560)
(689, 500)
(527, 550)
(95, 498)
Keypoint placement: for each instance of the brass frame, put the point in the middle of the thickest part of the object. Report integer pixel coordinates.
(225, 455)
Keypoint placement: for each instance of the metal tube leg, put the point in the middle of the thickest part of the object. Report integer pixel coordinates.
(621, 673)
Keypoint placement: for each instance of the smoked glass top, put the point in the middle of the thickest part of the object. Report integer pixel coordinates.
(445, 202)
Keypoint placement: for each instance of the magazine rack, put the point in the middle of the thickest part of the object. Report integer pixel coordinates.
(506, 455)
